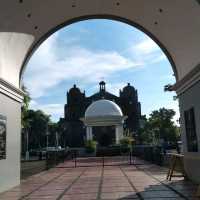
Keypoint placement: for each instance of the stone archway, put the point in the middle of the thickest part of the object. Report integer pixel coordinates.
(25, 24)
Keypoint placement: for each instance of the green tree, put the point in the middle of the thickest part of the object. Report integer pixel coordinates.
(25, 107)
(38, 128)
(35, 125)
(143, 135)
(160, 125)
(62, 131)
(52, 129)
(24, 119)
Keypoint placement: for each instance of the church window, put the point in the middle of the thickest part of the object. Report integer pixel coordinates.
(190, 127)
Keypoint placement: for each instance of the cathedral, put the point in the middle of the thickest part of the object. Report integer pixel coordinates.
(78, 102)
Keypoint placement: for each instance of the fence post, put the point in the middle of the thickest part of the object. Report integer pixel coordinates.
(75, 158)
(63, 156)
(130, 158)
(47, 160)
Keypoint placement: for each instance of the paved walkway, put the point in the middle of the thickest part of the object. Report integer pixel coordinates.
(111, 182)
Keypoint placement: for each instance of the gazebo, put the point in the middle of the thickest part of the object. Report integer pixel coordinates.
(104, 113)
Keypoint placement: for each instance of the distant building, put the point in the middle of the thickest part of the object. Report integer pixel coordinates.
(77, 103)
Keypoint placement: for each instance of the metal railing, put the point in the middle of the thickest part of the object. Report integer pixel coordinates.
(106, 156)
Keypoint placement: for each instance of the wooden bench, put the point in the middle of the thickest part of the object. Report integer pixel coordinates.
(175, 160)
(198, 192)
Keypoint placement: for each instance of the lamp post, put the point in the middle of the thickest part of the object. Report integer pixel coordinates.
(27, 142)
(63, 132)
(27, 139)
(47, 134)
(56, 140)
(64, 136)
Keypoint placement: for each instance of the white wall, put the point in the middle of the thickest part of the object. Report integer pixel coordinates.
(10, 167)
(191, 98)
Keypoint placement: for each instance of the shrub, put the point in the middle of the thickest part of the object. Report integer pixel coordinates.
(126, 142)
(90, 146)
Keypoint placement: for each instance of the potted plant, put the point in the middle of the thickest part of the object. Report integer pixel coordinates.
(90, 146)
(126, 144)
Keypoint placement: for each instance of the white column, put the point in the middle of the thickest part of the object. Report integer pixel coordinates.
(89, 135)
(118, 133)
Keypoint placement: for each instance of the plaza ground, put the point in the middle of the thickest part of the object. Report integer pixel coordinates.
(32, 167)
(141, 181)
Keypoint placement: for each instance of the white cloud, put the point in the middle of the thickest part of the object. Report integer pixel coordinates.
(168, 77)
(55, 110)
(158, 58)
(146, 52)
(47, 69)
(147, 46)
(115, 87)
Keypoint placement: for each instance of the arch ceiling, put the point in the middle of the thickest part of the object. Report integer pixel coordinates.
(24, 24)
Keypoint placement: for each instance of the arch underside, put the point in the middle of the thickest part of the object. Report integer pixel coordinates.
(24, 25)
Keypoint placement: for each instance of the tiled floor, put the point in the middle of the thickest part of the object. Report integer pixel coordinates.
(144, 181)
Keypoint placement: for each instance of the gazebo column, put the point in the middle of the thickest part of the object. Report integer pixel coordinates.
(118, 133)
(89, 135)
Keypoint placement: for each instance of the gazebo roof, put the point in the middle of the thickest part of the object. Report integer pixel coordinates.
(103, 108)
(103, 113)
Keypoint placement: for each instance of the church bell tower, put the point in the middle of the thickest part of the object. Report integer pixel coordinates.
(102, 86)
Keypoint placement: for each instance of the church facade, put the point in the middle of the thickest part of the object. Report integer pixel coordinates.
(77, 103)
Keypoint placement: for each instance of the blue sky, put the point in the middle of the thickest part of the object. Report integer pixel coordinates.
(86, 52)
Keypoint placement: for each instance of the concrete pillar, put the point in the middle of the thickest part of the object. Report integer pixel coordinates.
(118, 133)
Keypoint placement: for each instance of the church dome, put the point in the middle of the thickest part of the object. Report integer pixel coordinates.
(74, 90)
(128, 88)
(102, 108)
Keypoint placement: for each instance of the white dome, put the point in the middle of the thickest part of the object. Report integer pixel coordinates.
(102, 108)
